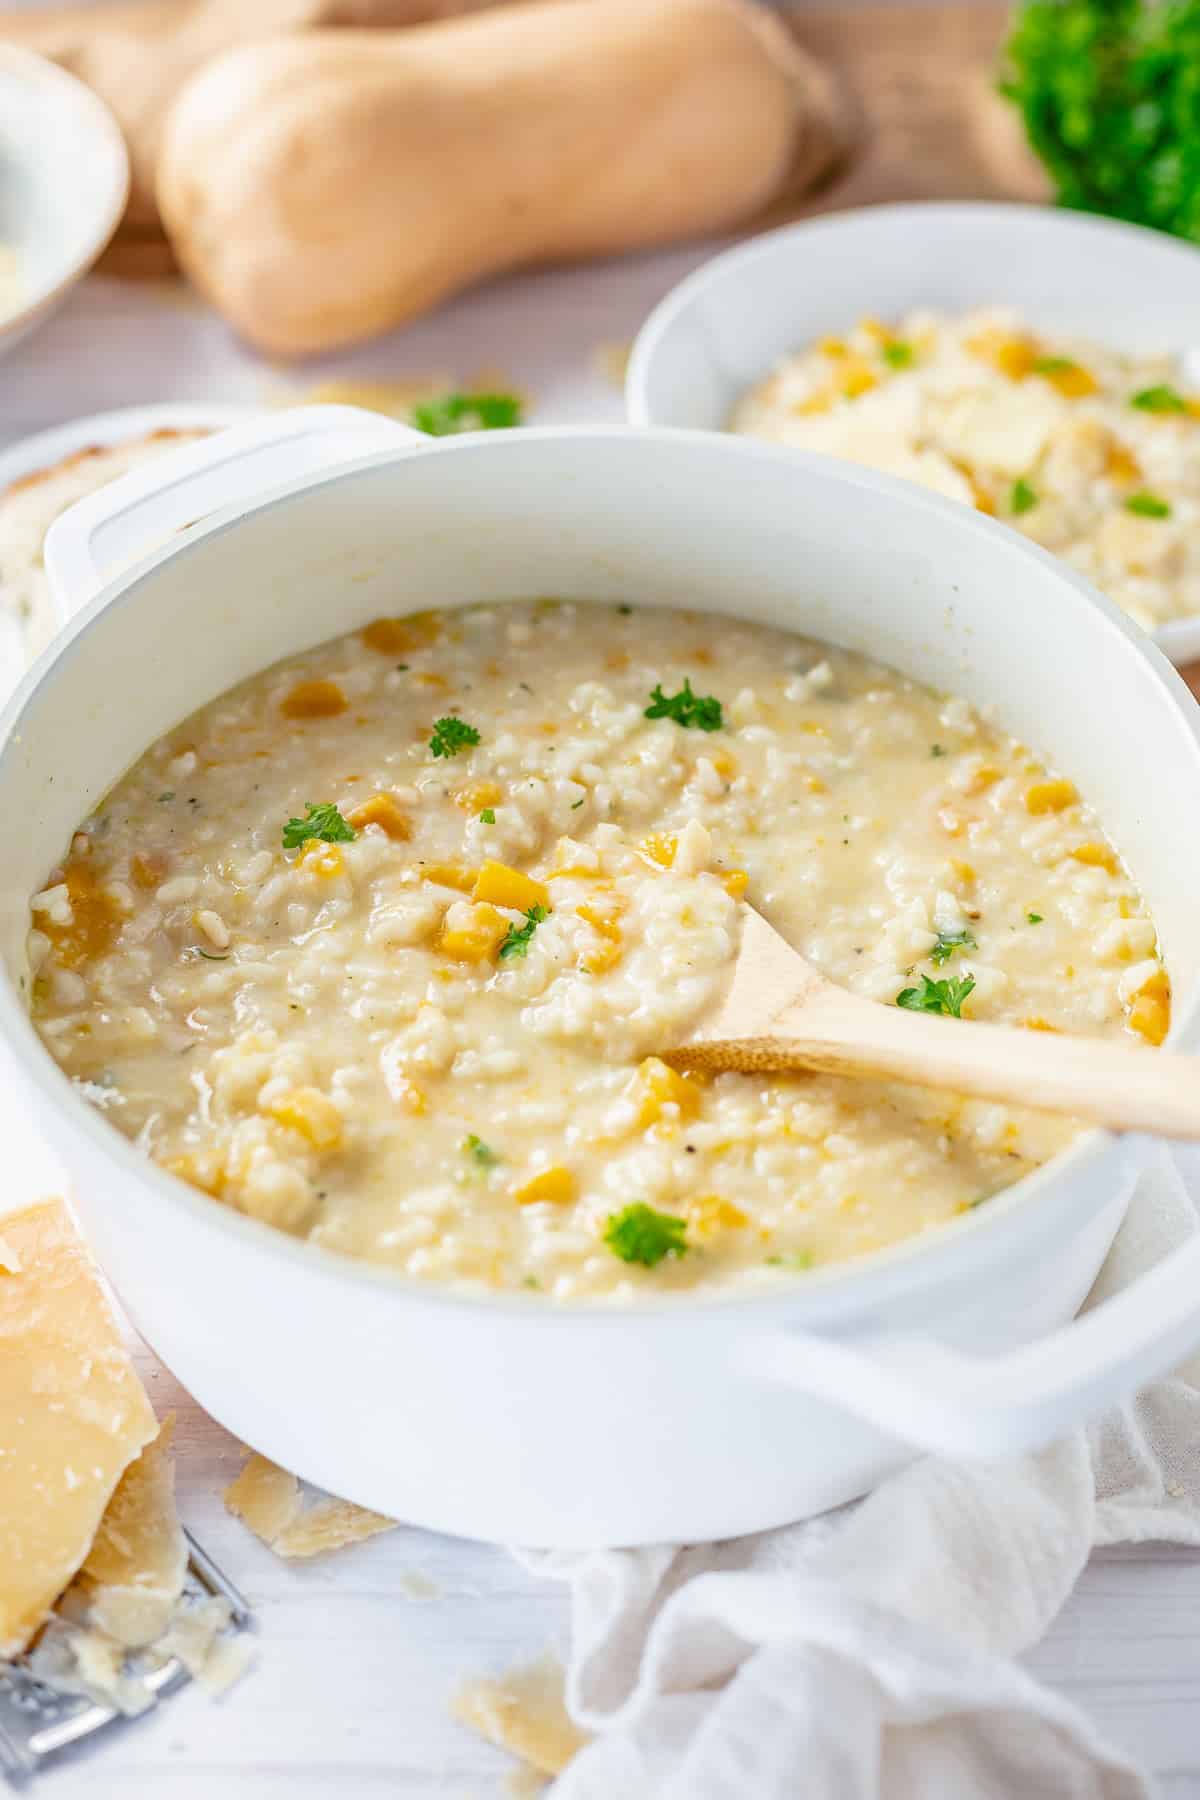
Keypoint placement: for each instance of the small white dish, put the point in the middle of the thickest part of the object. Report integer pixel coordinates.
(728, 324)
(64, 181)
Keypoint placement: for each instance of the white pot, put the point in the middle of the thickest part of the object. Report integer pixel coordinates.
(506, 1417)
(731, 321)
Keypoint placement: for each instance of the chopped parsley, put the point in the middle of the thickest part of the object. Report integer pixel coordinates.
(950, 941)
(899, 354)
(168, 795)
(1052, 365)
(324, 822)
(1159, 399)
(519, 936)
(685, 708)
(452, 413)
(576, 804)
(936, 750)
(1034, 918)
(794, 1259)
(638, 1234)
(1023, 497)
(479, 1152)
(451, 735)
(937, 996)
(213, 955)
(1148, 506)
(488, 815)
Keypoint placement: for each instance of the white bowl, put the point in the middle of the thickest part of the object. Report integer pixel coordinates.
(64, 181)
(503, 1416)
(728, 324)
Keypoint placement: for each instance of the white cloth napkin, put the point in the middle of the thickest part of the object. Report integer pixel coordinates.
(867, 1655)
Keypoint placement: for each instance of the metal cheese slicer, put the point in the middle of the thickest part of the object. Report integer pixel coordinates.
(39, 1719)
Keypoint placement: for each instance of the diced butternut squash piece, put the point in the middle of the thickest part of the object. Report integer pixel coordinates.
(659, 848)
(311, 1113)
(1038, 1024)
(1070, 379)
(147, 869)
(875, 329)
(95, 918)
(604, 918)
(502, 886)
(724, 763)
(815, 785)
(735, 882)
(1097, 856)
(557, 1186)
(319, 858)
(833, 347)
(478, 794)
(819, 402)
(984, 777)
(1008, 352)
(451, 875)
(478, 939)
(1122, 465)
(1050, 796)
(708, 1214)
(855, 377)
(393, 637)
(1149, 1011)
(199, 1171)
(313, 700)
(659, 1086)
(963, 872)
(385, 811)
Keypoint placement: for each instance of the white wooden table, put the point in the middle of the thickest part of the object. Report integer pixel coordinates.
(350, 1695)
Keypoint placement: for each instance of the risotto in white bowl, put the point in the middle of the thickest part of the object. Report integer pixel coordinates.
(381, 947)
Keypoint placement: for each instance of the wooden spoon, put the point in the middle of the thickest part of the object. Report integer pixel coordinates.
(780, 1013)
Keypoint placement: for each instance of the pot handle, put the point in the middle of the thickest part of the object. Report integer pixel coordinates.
(138, 513)
(937, 1399)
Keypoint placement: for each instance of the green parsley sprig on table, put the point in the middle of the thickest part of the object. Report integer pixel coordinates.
(638, 1234)
(685, 707)
(452, 413)
(450, 735)
(937, 996)
(1110, 97)
(324, 822)
(519, 936)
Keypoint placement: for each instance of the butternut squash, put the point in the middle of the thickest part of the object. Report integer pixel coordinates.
(137, 54)
(323, 188)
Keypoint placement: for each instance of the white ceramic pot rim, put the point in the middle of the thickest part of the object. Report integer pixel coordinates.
(923, 1263)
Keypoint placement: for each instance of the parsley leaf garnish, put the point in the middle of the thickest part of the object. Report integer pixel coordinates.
(1034, 918)
(479, 1152)
(638, 1234)
(324, 822)
(937, 996)
(794, 1259)
(1023, 497)
(1052, 365)
(1159, 399)
(452, 413)
(950, 941)
(898, 354)
(519, 936)
(452, 735)
(1148, 506)
(488, 816)
(685, 708)
(936, 750)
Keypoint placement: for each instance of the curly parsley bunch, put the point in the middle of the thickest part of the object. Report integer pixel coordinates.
(1109, 91)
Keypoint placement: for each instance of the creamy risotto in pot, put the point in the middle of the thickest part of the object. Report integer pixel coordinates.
(1093, 454)
(381, 947)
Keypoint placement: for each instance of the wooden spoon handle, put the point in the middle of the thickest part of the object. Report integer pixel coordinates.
(1110, 1084)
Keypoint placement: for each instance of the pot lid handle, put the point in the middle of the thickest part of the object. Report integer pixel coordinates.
(938, 1399)
(101, 535)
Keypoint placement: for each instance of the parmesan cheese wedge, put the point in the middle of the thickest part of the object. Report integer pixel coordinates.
(73, 1414)
(135, 1569)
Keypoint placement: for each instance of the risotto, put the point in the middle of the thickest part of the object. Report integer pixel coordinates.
(1093, 454)
(382, 946)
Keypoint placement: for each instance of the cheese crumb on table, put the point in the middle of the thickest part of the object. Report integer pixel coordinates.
(524, 1712)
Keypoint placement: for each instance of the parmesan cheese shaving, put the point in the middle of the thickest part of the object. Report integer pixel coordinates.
(525, 1713)
(136, 1566)
(269, 1500)
(73, 1415)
